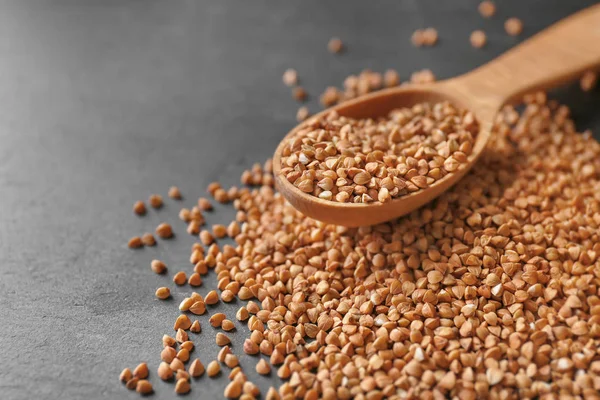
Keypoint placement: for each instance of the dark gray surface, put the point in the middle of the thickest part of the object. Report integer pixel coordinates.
(105, 102)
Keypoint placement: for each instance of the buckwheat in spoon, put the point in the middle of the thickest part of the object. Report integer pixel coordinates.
(386, 154)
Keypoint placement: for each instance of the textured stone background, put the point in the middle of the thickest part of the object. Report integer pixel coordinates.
(105, 102)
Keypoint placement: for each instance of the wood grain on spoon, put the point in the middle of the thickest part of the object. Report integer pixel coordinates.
(560, 53)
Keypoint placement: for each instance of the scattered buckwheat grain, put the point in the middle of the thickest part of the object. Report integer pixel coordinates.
(231, 360)
(263, 367)
(163, 293)
(227, 296)
(143, 387)
(211, 297)
(299, 93)
(216, 319)
(424, 37)
(227, 325)
(132, 383)
(185, 215)
(391, 78)
(487, 8)
(188, 345)
(204, 204)
(329, 97)
(302, 114)
(198, 308)
(158, 267)
(182, 374)
(273, 395)
(196, 328)
(513, 26)
(181, 336)
(180, 278)
(148, 239)
(237, 374)
(206, 238)
(335, 45)
(193, 228)
(176, 365)
(183, 355)
(168, 341)
(135, 243)
(418, 38)
(167, 354)
(164, 371)
(182, 386)
(219, 231)
(139, 208)
(126, 375)
(233, 390)
(182, 322)
(250, 347)
(242, 314)
(141, 371)
(186, 304)
(290, 77)
(222, 353)
(195, 280)
(430, 36)
(174, 193)
(164, 231)
(251, 389)
(213, 187)
(221, 339)
(196, 368)
(155, 201)
(213, 369)
(478, 39)
(588, 81)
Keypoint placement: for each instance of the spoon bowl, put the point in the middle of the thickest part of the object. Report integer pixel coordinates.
(377, 105)
(560, 53)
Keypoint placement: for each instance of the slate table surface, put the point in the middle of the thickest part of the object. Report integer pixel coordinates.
(105, 102)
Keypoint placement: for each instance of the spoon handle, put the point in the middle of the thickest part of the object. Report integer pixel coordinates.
(558, 54)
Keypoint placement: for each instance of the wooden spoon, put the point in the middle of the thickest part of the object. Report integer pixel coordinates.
(558, 54)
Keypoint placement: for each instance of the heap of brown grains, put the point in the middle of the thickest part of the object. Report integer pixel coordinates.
(490, 291)
(360, 161)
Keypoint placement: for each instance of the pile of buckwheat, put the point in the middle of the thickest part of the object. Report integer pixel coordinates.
(364, 160)
(491, 291)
